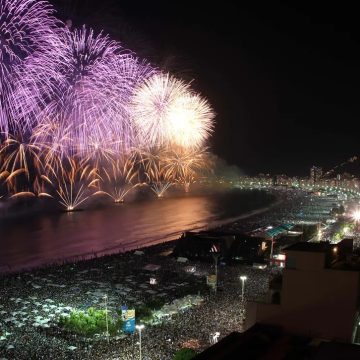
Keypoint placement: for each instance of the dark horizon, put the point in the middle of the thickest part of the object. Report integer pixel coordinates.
(282, 79)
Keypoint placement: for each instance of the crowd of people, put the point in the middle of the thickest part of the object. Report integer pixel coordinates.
(293, 206)
(31, 303)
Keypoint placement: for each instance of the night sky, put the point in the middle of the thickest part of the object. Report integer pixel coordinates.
(283, 79)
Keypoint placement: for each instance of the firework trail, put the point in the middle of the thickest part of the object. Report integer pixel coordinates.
(74, 184)
(183, 165)
(18, 154)
(20, 157)
(27, 39)
(119, 179)
(3, 176)
(99, 153)
(54, 139)
(38, 191)
(38, 187)
(159, 177)
(335, 168)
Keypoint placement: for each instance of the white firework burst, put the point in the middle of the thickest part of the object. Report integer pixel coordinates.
(150, 108)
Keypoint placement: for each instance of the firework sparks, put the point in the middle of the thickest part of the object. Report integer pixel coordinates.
(98, 78)
(183, 165)
(191, 121)
(73, 184)
(159, 177)
(22, 161)
(3, 176)
(54, 140)
(119, 179)
(18, 153)
(150, 108)
(27, 37)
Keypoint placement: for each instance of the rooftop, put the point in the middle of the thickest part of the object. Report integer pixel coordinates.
(320, 247)
(265, 342)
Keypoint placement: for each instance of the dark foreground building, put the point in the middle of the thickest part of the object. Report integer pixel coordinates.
(319, 293)
(267, 342)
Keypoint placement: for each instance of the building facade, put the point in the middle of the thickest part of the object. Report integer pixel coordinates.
(318, 295)
(315, 174)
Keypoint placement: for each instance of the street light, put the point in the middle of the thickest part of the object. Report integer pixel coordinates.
(106, 318)
(216, 257)
(356, 217)
(319, 231)
(272, 249)
(139, 328)
(242, 278)
(215, 250)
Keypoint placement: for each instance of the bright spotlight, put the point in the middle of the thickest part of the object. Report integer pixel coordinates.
(356, 215)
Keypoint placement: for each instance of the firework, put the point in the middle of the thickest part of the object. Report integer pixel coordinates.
(191, 121)
(150, 108)
(18, 153)
(27, 40)
(20, 157)
(53, 137)
(14, 181)
(38, 189)
(159, 177)
(356, 215)
(98, 78)
(74, 184)
(159, 188)
(179, 161)
(183, 165)
(22, 194)
(99, 153)
(119, 179)
(3, 176)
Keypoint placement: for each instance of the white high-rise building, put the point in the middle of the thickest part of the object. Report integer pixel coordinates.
(315, 174)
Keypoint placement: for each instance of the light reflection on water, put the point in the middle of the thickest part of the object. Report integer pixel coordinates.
(45, 238)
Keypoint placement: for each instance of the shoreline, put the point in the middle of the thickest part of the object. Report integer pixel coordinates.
(244, 216)
(119, 250)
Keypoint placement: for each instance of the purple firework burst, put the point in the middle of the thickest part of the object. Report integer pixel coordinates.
(96, 81)
(27, 37)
